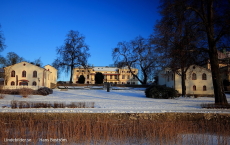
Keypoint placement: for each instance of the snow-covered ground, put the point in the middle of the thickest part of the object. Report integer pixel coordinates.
(115, 101)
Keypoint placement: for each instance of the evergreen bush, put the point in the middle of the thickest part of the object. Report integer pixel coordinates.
(160, 92)
(44, 91)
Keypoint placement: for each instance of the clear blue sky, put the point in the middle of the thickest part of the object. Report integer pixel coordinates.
(35, 28)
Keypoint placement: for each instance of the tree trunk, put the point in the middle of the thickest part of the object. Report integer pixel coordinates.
(71, 74)
(183, 83)
(220, 97)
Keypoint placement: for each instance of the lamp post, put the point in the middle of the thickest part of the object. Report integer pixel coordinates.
(38, 82)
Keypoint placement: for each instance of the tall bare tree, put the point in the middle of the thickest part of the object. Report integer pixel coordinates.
(213, 22)
(2, 40)
(139, 54)
(74, 53)
(13, 58)
(176, 41)
(38, 62)
(2, 47)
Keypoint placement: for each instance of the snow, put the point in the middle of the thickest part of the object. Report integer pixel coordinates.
(127, 100)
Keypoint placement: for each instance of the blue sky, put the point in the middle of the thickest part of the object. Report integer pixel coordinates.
(35, 28)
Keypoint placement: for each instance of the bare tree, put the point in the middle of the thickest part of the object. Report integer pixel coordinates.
(2, 40)
(139, 54)
(74, 53)
(212, 21)
(176, 41)
(38, 62)
(12, 58)
(7, 74)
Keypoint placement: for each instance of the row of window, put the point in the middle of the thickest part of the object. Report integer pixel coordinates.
(127, 71)
(23, 83)
(194, 88)
(106, 72)
(24, 73)
(194, 76)
(111, 77)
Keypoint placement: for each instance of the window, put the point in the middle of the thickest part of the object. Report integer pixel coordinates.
(12, 83)
(34, 83)
(77, 70)
(115, 77)
(193, 76)
(35, 74)
(204, 88)
(128, 77)
(123, 76)
(194, 88)
(12, 73)
(172, 77)
(111, 77)
(23, 73)
(204, 76)
(87, 76)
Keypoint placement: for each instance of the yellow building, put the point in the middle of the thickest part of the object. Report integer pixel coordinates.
(111, 74)
(27, 74)
(198, 80)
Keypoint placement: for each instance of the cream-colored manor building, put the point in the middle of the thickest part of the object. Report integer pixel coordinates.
(111, 74)
(27, 74)
(198, 80)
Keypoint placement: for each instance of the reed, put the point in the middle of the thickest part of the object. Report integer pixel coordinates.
(25, 92)
(215, 106)
(159, 128)
(43, 104)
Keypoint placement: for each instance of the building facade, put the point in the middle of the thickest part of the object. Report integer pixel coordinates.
(198, 80)
(111, 74)
(27, 74)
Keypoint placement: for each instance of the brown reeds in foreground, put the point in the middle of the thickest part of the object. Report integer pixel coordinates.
(25, 92)
(215, 106)
(43, 104)
(158, 128)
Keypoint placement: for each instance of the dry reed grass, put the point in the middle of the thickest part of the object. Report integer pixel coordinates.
(25, 104)
(25, 92)
(165, 128)
(2, 95)
(215, 106)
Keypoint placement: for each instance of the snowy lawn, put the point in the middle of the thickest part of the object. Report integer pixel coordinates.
(115, 101)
